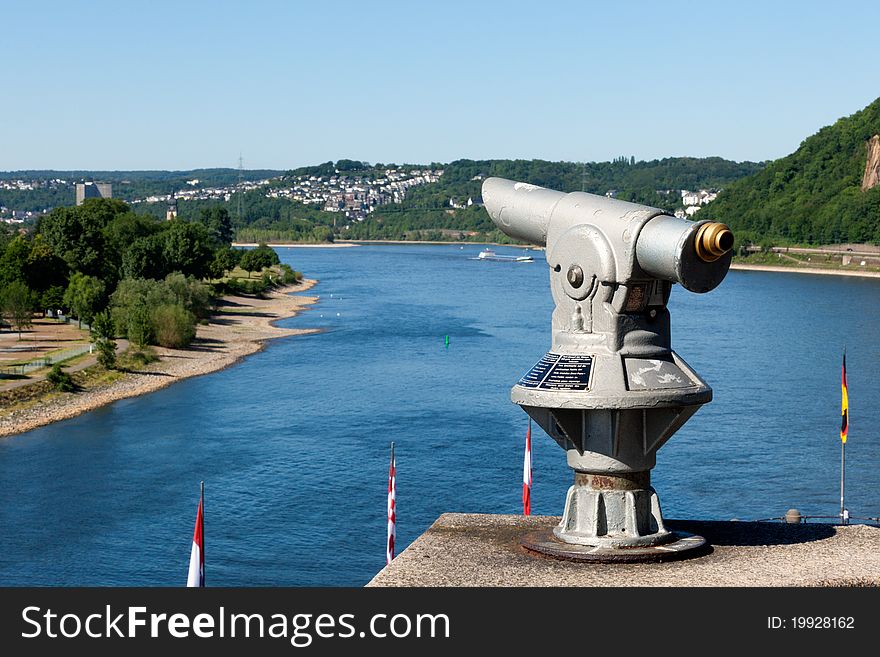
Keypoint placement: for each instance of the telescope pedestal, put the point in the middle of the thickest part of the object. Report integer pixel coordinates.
(613, 518)
(603, 510)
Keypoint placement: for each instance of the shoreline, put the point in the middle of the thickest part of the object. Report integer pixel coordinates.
(239, 327)
(805, 270)
(299, 245)
(341, 244)
(737, 266)
(531, 247)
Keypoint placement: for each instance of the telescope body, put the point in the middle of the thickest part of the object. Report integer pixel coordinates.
(611, 391)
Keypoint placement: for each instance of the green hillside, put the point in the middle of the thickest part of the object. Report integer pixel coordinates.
(435, 211)
(426, 212)
(812, 196)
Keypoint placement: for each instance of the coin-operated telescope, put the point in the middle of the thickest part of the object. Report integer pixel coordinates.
(611, 391)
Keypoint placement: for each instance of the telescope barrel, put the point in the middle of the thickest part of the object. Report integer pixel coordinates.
(519, 209)
(694, 254)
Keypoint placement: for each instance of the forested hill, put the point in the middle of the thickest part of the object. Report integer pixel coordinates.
(426, 212)
(444, 209)
(820, 194)
(625, 175)
(216, 176)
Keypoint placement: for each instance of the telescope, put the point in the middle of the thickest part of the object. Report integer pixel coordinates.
(611, 391)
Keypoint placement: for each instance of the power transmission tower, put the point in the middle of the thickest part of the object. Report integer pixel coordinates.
(240, 180)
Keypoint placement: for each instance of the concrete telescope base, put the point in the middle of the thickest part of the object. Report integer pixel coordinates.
(680, 545)
(484, 550)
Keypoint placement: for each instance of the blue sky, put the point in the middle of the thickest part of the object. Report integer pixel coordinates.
(179, 85)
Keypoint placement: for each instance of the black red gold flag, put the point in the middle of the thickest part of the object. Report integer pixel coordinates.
(844, 404)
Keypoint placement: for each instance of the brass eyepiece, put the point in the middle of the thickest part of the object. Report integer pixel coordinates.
(713, 240)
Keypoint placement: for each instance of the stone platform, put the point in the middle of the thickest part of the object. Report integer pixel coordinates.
(484, 550)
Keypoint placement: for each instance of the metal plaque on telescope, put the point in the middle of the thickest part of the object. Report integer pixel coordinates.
(559, 372)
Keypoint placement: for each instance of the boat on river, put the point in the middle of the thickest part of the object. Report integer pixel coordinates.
(489, 254)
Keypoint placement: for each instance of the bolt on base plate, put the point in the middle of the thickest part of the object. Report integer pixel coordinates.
(683, 546)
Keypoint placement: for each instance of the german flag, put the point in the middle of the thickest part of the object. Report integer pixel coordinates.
(844, 403)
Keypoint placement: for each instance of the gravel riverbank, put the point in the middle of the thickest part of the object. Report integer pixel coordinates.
(240, 327)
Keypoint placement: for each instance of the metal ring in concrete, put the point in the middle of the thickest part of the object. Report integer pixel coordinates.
(683, 546)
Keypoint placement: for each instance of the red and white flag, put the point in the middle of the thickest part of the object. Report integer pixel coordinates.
(527, 473)
(392, 511)
(197, 556)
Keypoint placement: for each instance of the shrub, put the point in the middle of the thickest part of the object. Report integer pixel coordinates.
(103, 332)
(289, 276)
(139, 326)
(106, 354)
(141, 357)
(60, 379)
(141, 309)
(256, 287)
(174, 326)
(190, 293)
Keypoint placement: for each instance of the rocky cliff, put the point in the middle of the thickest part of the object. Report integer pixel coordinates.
(872, 166)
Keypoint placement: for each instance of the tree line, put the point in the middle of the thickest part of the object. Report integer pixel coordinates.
(125, 274)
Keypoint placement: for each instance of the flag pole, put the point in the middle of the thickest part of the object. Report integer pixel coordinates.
(527, 473)
(842, 470)
(391, 518)
(844, 432)
(202, 504)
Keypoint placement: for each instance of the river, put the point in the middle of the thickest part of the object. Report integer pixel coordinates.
(293, 441)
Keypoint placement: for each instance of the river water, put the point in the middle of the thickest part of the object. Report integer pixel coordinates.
(293, 441)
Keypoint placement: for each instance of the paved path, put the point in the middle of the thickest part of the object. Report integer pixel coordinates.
(121, 346)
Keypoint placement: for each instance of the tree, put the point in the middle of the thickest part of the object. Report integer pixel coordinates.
(144, 258)
(103, 333)
(219, 224)
(258, 259)
(76, 234)
(13, 260)
(18, 305)
(84, 296)
(53, 298)
(43, 269)
(186, 247)
(5, 235)
(122, 232)
(225, 259)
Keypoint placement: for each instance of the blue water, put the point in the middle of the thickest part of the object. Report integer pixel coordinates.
(293, 441)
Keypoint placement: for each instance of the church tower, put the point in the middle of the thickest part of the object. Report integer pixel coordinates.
(171, 211)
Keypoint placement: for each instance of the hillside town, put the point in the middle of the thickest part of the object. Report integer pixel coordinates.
(354, 195)
(692, 201)
(351, 194)
(17, 216)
